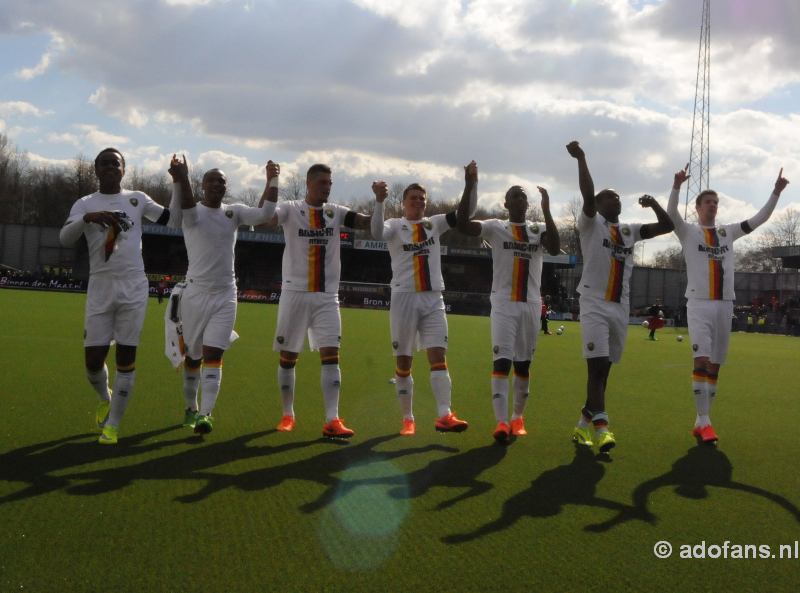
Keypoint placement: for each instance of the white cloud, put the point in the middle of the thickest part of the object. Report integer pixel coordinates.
(40, 160)
(55, 47)
(97, 138)
(21, 108)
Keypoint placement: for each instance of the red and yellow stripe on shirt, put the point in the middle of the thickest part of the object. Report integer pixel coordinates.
(422, 272)
(520, 268)
(316, 254)
(617, 269)
(714, 267)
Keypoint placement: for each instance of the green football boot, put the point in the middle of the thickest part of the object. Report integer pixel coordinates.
(582, 436)
(203, 424)
(109, 435)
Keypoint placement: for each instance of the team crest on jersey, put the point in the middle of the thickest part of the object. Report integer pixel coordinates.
(590, 346)
(395, 345)
(625, 231)
(134, 202)
(280, 339)
(722, 232)
(329, 212)
(229, 213)
(427, 224)
(535, 229)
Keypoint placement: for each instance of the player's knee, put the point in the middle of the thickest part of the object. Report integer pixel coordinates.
(126, 356)
(193, 363)
(522, 368)
(287, 362)
(502, 366)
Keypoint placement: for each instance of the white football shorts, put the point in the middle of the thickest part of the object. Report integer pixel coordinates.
(515, 328)
(207, 318)
(709, 328)
(312, 313)
(115, 309)
(417, 319)
(604, 327)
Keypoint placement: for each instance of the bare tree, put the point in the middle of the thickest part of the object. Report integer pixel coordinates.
(783, 231)
(249, 196)
(568, 228)
(670, 258)
(292, 187)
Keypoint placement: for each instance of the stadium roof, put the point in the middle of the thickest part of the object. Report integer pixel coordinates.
(789, 255)
(563, 260)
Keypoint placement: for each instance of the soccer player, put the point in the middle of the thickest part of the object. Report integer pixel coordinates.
(708, 251)
(208, 303)
(545, 313)
(417, 311)
(655, 319)
(607, 247)
(517, 258)
(116, 298)
(309, 301)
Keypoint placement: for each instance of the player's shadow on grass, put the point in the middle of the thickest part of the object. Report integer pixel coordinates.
(574, 483)
(322, 469)
(691, 476)
(454, 471)
(37, 465)
(191, 464)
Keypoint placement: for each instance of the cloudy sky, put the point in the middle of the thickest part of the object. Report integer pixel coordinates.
(411, 90)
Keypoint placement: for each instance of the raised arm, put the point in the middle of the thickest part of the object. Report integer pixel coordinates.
(584, 179)
(465, 206)
(270, 193)
(654, 229)
(672, 206)
(551, 240)
(381, 190)
(179, 171)
(763, 215)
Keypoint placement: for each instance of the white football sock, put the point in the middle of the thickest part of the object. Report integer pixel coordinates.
(286, 385)
(404, 387)
(521, 386)
(99, 381)
(191, 384)
(212, 379)
(331, 381)
(500, 397)
(441, 387)
(121, 397)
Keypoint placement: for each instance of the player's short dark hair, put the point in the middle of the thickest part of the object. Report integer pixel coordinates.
(705, 192)
(412, 187)
(110, 149)
(516, 189)
(316, 169)
(605, 192)
(214, 170)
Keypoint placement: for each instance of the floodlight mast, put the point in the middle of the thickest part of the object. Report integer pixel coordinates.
(699, 150)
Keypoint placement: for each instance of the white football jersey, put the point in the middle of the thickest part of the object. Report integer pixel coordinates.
(108, 253)
(416, 251)
(517, 258)
(708, 252)
(210, 236)
(607, 257)
(311, 261)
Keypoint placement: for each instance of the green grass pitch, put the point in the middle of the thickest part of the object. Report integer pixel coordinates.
(249, 509)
